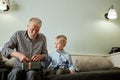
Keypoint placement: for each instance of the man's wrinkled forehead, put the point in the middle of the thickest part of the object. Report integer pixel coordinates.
(35, 24)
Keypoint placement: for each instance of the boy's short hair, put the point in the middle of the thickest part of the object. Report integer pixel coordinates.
(63, 38)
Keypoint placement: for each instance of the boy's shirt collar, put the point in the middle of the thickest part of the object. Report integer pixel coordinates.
(60, 51)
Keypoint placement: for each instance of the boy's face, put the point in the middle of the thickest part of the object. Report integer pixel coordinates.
(59, 45)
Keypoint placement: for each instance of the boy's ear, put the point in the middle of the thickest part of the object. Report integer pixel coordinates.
(64, 44)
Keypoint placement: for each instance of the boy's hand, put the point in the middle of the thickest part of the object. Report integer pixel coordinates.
(72, 71)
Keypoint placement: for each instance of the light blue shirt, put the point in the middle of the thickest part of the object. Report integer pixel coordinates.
(61, 59)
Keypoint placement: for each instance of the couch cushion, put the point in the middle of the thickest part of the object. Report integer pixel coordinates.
(8, 62)
(91, 75)
(91, 62)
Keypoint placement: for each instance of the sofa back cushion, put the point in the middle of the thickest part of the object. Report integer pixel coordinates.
(91, 62)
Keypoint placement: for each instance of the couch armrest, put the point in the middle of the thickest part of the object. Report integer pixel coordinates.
(115, 59)
(8, 62)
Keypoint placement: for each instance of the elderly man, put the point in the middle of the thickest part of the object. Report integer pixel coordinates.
(26, 46)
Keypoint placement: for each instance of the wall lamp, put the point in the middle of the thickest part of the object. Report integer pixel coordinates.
(112, 14)
(4, 5)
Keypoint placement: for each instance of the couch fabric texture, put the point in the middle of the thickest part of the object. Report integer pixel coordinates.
(92, 62)
(92, 67)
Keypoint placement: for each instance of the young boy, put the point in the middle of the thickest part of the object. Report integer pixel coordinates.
(61, 60)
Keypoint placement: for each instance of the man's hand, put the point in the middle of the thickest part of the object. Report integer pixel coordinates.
(23, 58)
(20, 56)
(37, 57)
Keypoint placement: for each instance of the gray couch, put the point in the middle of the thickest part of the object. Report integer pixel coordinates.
(92, 67)
(113, 74)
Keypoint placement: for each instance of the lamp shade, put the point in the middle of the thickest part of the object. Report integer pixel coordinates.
(4, 5)
(112, 14)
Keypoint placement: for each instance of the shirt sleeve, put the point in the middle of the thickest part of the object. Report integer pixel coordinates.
(44, 48)
(70, 65)
(8, 48)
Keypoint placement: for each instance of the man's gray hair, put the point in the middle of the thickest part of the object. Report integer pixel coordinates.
(36, 20)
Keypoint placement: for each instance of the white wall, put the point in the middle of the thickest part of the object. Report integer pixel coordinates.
(82, 21)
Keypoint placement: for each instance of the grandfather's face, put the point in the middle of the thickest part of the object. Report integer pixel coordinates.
(33, 30)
